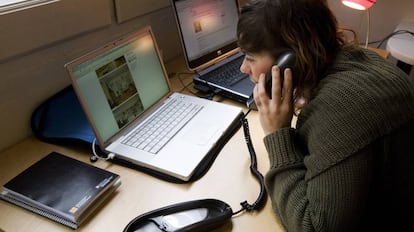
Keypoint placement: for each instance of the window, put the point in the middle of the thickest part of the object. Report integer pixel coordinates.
(7, 6)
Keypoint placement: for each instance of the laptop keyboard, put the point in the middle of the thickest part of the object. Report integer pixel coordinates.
(226, 75)
(159, 129)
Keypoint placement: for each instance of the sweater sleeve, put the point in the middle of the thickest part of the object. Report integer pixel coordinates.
(329, 201)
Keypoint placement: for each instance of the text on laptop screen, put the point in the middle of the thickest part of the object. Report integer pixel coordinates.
(208, 27)
(121, 84)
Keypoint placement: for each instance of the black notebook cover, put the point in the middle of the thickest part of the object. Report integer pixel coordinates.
(61, 188)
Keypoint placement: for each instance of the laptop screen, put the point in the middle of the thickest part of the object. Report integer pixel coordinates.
(119, 81)
(207, 27)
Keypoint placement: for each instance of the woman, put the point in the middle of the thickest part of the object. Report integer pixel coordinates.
(348, 165)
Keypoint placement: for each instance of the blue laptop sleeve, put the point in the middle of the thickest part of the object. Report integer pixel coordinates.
(61, 119)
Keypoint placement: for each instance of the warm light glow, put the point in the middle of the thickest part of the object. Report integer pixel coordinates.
(145, 43)
(359, 4)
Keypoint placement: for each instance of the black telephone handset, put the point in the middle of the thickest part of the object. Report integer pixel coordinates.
(285, 60)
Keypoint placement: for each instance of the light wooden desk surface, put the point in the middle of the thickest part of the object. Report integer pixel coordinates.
(229, 179)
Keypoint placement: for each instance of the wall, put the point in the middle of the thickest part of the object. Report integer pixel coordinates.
(29, 77)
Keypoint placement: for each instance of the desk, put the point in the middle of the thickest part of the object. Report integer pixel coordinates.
(381, 52)
(401, 47)
(228, 179)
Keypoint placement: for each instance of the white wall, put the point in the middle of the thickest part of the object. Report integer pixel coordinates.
(28, 78)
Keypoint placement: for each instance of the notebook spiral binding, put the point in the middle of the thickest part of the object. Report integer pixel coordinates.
(40, 211)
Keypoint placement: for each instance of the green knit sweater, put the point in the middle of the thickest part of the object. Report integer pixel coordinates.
(334, 171)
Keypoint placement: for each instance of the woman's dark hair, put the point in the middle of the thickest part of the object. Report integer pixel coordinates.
(308, 27)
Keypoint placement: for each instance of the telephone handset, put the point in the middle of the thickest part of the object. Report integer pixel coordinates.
(285, 60)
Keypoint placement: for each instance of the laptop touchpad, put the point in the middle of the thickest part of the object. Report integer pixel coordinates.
(201, 134)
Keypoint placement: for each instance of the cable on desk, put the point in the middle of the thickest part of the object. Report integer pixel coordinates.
(211, 92)
(398, 32)
(261, 199)
(184, 85)
(95, 155)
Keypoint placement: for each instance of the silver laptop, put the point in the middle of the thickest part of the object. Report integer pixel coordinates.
(207, 30)
(125, 91)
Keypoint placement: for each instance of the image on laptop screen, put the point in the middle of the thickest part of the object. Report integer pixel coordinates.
(119, 85)
(208, 28)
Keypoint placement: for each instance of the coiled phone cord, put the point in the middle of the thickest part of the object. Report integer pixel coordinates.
(261, 199)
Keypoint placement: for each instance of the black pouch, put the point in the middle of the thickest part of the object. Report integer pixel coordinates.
(198, 215)
(61, 120)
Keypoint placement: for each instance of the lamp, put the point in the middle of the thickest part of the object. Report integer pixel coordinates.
(361, 5)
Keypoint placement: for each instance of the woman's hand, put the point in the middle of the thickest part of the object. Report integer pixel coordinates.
(277, 112)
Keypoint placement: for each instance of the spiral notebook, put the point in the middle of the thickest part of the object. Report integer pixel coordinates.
(61, 188)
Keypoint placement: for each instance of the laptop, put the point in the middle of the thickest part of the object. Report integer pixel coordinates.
(208, 35)
(123, 87)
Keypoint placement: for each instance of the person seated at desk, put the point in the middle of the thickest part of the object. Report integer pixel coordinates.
(348, 165)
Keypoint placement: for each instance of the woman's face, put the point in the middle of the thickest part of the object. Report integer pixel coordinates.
(256, 63)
